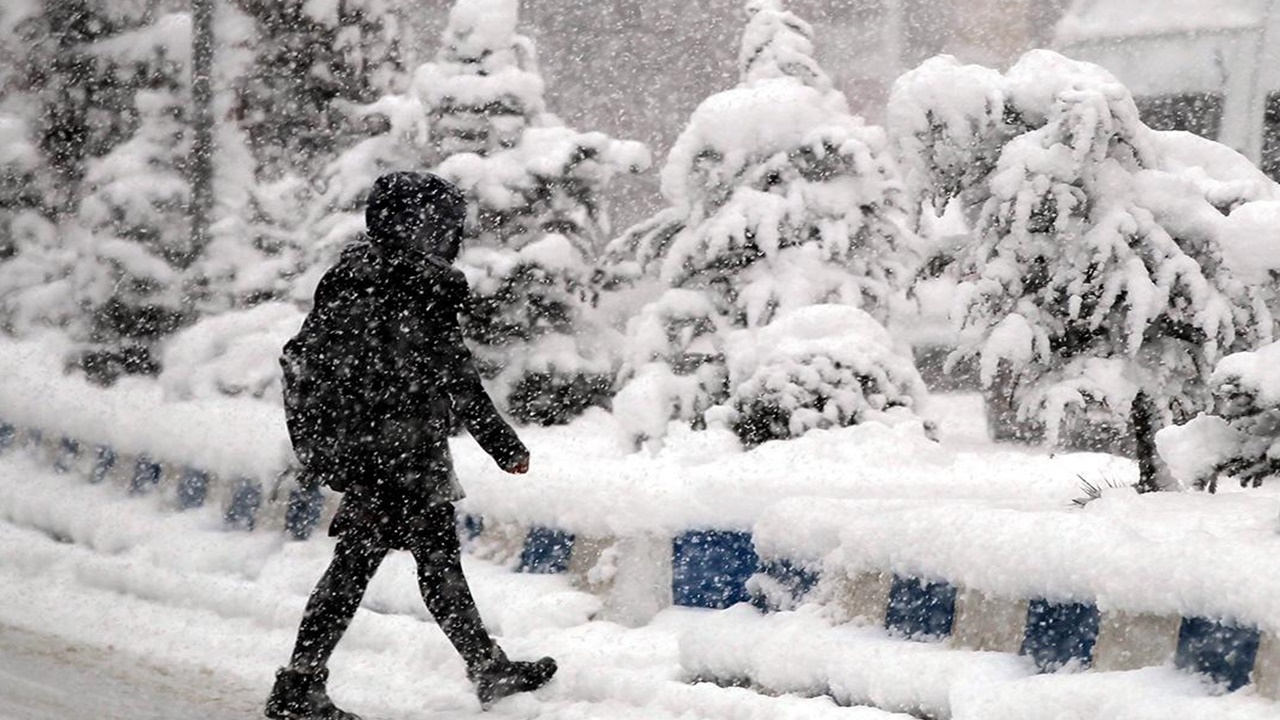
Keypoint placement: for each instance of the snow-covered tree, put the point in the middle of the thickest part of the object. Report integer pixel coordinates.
(31, 260)
(1240, 437)
(258, 231)
(19, 163)
(1096, 284)
(130, 277)
(312, 62)
(779, 199)
(535, 188)
(484, 87)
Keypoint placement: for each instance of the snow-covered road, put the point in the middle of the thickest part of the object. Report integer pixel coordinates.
(43, 677)
(113, 607)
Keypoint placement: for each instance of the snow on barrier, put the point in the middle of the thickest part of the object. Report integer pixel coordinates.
(1115, 586)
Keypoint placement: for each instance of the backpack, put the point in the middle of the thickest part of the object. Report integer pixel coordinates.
(312, 394)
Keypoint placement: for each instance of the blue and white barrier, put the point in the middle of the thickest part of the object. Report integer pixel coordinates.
(242, 498)
(936, 574)
(638, 576)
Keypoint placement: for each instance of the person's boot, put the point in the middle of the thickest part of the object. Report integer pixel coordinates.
(503, 677)
(299, 695)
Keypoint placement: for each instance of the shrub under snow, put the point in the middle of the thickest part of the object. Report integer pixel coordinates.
(817, 367)
(1240, 439)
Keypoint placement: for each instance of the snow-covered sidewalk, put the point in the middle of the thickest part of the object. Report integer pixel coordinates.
(123, 577)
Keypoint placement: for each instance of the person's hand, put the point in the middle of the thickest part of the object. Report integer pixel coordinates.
(519, 467)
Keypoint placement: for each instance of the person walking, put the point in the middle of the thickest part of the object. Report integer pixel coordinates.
(384, 332)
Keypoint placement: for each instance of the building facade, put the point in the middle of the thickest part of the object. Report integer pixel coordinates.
(1211, 67)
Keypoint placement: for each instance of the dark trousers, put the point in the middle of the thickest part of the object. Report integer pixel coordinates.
(437, 552)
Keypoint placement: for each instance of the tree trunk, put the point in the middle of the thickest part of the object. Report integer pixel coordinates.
(1143, 416)
(201, 166)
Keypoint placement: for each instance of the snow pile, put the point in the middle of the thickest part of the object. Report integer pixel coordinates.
(580, 480)
(1241, 438)
(807, 653)
(1098, 273)
(235, 353)
(1251, 242)
(1256, 373)
(35, 289)
(17, 151)
(214, 613)
(169, 36)
(804, 653)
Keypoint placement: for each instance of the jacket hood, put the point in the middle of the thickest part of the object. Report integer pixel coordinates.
(416, 212)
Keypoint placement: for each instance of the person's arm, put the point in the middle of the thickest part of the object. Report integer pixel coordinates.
(466, 393)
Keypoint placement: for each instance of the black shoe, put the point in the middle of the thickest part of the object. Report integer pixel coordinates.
(504, 677)
(301, 695)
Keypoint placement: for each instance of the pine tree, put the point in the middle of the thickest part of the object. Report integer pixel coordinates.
(484, 89)
(1096, 286)
(130, 278)
(313, 60)
(84, 98)
(77, 65)
(475, 115)
(780, 199)
(537, 190)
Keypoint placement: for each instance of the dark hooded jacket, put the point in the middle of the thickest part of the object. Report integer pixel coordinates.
(386, 320)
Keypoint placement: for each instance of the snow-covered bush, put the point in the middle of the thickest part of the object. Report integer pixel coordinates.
(1096, 283)
(817, 367)
(1240, 437)
(779, 199)
(674, 366)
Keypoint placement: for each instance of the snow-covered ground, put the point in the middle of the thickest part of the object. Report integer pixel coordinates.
(169, 616)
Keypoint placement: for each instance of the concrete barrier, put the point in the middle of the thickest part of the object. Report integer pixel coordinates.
(637, 577)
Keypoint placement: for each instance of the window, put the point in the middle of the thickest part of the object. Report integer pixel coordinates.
(1200, 113)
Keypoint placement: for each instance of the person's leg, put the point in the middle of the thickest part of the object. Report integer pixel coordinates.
(300, 691)
(446, 592)
(334, 602)
(448, 597)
